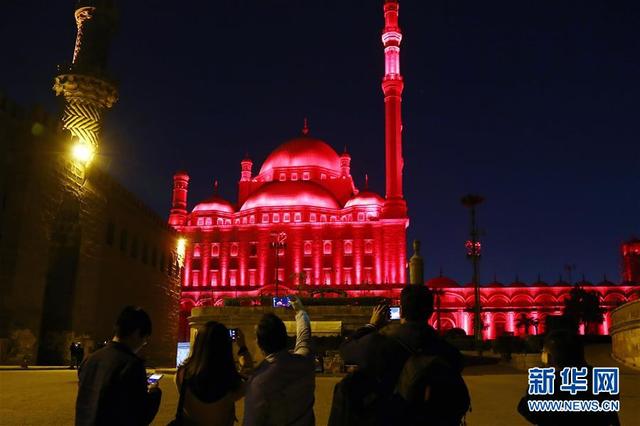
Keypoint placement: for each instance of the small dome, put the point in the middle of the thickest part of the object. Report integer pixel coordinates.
(289, 194)
(517, 283)
(606, 283)
(365, 198)
(303, 151)
(584, 283)
(441, 282)
(539, 283)
(214, 203)
(494, 284)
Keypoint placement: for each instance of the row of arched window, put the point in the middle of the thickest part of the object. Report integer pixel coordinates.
(307, 248)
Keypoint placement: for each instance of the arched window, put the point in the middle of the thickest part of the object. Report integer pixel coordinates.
(134, 247)
(196, 250)
(307, 248)
(213, 277)
(326, 247)
(215, 249)
(368, 246)
(111, 230)
(348, 247)
(154, 256)
(124, 240)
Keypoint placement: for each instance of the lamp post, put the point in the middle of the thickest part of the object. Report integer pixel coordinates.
(473, 247)
(277, 244)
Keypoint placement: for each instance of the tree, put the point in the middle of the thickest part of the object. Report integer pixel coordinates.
(583, 307)
(526, 322)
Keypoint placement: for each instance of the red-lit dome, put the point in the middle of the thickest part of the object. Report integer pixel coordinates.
(291, 194)
(215, 203)
(303, 151)
(365, 198)
(441, 282)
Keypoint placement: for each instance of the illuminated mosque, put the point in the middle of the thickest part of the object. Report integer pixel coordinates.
(301, 222)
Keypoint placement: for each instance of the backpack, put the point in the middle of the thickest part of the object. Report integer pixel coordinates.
(428, 391)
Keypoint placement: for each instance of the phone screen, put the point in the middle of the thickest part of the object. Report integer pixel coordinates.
(154, 378)
(394, 312)
(233, 333)
(281, 302)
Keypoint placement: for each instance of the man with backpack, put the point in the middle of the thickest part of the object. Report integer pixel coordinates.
(406, 373)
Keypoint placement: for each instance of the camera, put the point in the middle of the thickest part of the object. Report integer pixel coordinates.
(281, 302)
(394, 313)
(233, 333)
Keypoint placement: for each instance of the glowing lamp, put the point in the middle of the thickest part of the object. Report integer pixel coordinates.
(181, 248)
(82, 152)
(473, 250)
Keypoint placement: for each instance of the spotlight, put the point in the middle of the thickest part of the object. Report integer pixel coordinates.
(82, 152)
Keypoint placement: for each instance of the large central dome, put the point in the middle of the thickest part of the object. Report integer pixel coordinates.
(291, 194)
(303, 151)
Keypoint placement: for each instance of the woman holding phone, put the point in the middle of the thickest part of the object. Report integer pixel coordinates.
(209, 382)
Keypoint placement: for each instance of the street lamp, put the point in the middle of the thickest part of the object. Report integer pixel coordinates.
(277, 244)
(82, 152)
(474, 247)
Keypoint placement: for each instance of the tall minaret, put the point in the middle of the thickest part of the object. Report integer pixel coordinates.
(178, 215)
(395, 205)
(86, 90)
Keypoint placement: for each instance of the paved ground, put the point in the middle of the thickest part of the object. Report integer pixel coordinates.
(47, 397)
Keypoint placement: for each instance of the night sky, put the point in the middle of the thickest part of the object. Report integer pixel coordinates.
(533, 104)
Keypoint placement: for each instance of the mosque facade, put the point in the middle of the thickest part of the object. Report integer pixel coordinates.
(300, 223)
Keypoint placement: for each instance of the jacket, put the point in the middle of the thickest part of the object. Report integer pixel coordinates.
(281, 390)
(113, 389)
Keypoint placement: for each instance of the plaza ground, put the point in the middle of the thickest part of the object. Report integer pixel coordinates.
(46, 397)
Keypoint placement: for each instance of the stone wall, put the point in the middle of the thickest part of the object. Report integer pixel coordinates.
(63, 273)
(625, 333)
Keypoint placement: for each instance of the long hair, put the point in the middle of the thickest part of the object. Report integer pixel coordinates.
(210, 371)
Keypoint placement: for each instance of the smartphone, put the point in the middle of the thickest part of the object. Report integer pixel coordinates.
(233, 333)
(394, 313)
(319, 368)
(154, 378)
(281, 302)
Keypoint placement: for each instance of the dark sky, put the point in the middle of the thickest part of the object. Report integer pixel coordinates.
(534, 104)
